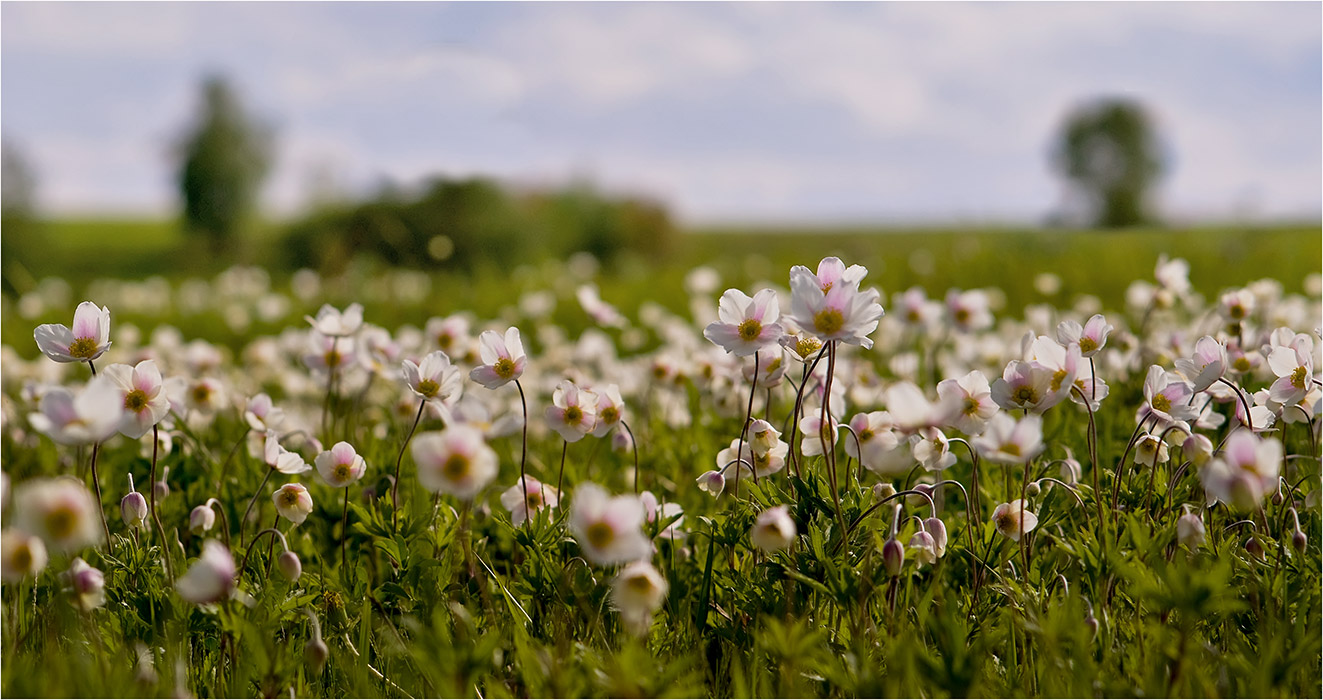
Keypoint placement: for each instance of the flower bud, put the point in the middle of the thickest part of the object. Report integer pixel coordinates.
(893, 556)
(1198, 449)
(621, 442)
(774, 529)
(316, 653)
(914, 500)
(1254, 547)
(762, 437)
(1190, 530)
(290, 565)
(882, 491)
(201, 520)
(1032, 490)
(133, 509)
(1092, 622)
(162, 488)
(937, 529)
(712, 482)
(924, 547)
(1299, 541)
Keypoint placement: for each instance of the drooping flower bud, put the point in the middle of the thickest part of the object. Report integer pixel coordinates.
(1254, 547)
(1298, 539)
(773, 530)
(201, 519)
(712, 482)
(893, 556)
(1190, 529)
(1198, 449)
(290, 565)
(1032, 490)
(924, 548)
(937, 529)
(883, 491)
(162, 487)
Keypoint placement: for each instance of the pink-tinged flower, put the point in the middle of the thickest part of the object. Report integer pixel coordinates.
(1150, 450)
(1197, 448)
(1294, 367)
(1244, 472)
(204, 395)
(763, 436)
(1261, 415)
(842, 312)
(819, 437)
(451, 333)
(502, 358)
(573, 412)
(745, 325)
(610, 410)
(1167, 396)
(60, 511)
(1206, 366)
(378, 352)
(637, 592)
(332, 322)
(261, 415)
(915, 308)
(912, 411)
(1236, 305)
(281, 459)
(712, 482)
(764, 464)
(653, 511)
(293, 502)
(1024, 385)
(90, 416)
(1008, 441)
(211, 578)
(1013, 520)
(774, 529)
(456, 461)
(1190, 529)
(771, 368)
(1241, 361)
(1091, 337)
(881, 450)
(833, 273)
(933, 451)
(801, 346)
(201, 519)
(893, 556)
(1063, 362)
(609, 530)
(330, 353)
(968, 310)
(87, 340)
(539, 496)
(974, 398)
(21, 555)
(434, 379)
(341, 466)
(935, 527)
(144, 396)
(924, 548)
(1091, 389)
(133, 507)
(601, 312)
(1173, 275)
(87, 584)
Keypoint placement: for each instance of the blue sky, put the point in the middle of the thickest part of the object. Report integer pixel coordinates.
(905, 112)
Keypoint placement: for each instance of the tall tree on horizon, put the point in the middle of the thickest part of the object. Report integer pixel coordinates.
(1109, 154)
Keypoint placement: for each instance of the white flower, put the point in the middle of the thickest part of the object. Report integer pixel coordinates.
(455, 461)
(332, 322)
(834, 309)
(573, 412)
(1008, 441)
(774, 529)
(881, 450)
(293, 502)
(61, 511)
(90, 416)
(610, 410)
(21, 555)
(143, 394)
(281, 459)
(87, 340)
(1013, 520)
(973, 395)
(87, 584)
(1167, 396)
(340, 466)
(1091, 337)
(503, 359)
(933, 451)
(1206, 366)
(261, 415)
(609, 530)
(539, 496)
(1294, 367)
(434, 379)
(745, 325)
(637, 592)
(211, 578)
(911, 410)
(1245, 471)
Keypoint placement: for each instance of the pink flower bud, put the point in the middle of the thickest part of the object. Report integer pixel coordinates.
(201, 520)
(893, 556)
(290, 565)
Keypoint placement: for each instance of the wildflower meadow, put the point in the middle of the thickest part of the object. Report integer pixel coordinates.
(810, 482)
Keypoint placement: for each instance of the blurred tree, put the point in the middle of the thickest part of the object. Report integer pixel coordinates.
(224, 156)
(18, 222)
(1109, 154)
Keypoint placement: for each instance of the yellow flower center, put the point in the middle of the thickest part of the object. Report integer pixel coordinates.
(865, 435)
(1088, 344)
(61, 522)
(83, 348)
(1057, 378)
(971, 406)
(610, 414)
(201, 393)
(456, 467)
(534, 500)
(135, 400)
(428, 388)
(573, 415)
(1237, 311)
(1161, 403)
(961, 315)
(444, 340)
(341, 472)
(1298, 378)
(332, 358)
(289, 497)
(749, 329)
(22, 558)
(504, 368)
(828, 321)
(641, 585)
(806, 346)
(1025, 395)
(1011, 449)
(1242, 364)
(600, 534)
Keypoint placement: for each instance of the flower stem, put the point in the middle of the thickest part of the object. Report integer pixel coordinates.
(395, 485)
(560, 478)
(160, 531)
(523, 448)
(748, 414)
(243, 523)
(344, 533)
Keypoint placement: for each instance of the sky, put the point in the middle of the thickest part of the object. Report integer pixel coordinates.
(742, 112)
